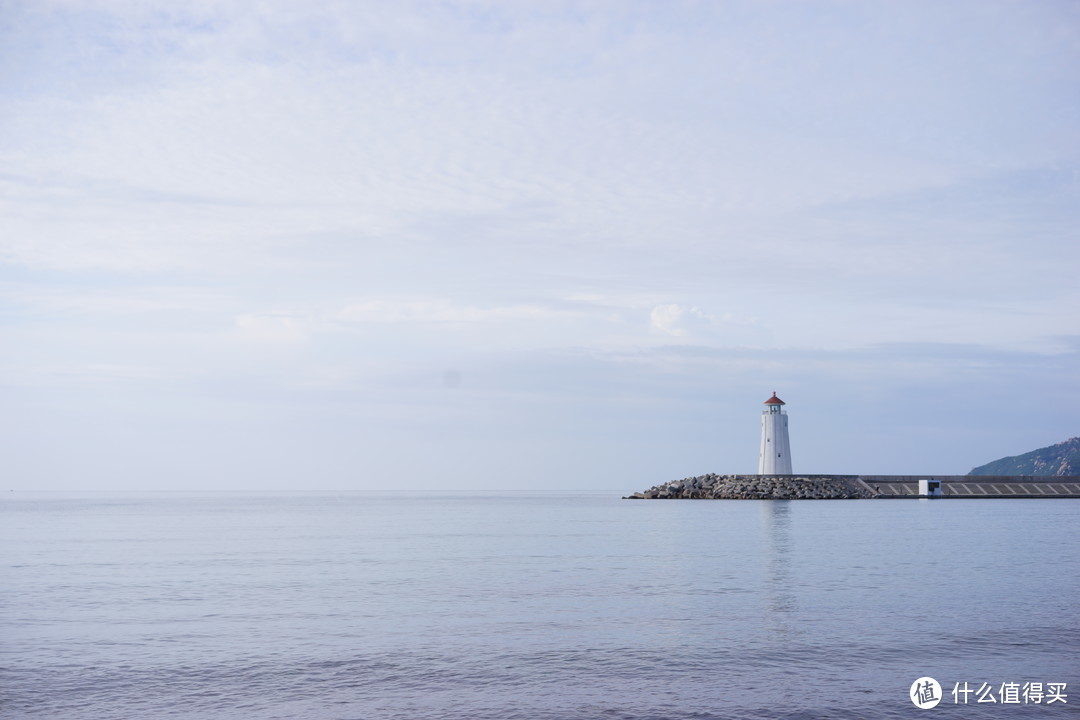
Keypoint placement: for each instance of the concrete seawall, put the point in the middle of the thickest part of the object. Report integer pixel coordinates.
(847, 487)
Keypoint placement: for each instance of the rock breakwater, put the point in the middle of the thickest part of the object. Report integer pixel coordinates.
(756, 487)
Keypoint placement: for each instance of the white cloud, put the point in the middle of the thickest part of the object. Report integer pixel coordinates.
(667, 319)
(272, 328)
(693, 325)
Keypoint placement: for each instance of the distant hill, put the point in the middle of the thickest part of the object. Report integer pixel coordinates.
(1060, 459)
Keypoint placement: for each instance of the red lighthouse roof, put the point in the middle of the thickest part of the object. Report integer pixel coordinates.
(775, 400)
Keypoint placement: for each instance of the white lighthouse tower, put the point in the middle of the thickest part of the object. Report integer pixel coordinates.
(775, 456)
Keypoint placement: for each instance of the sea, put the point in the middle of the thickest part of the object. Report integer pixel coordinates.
(535, 606)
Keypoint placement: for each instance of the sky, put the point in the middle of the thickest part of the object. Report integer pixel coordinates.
(509, 246)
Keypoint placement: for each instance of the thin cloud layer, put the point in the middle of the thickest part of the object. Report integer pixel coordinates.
(587, 215)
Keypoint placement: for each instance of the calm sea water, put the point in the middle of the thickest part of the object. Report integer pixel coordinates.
(425, 608)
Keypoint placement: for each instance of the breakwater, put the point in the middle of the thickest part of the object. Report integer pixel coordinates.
(851, 487)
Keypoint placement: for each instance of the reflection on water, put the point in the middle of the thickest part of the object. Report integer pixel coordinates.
(780, 600)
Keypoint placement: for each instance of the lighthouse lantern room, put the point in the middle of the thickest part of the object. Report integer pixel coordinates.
(775, 455)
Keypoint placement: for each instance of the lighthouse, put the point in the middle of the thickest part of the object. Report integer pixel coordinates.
(775, 455)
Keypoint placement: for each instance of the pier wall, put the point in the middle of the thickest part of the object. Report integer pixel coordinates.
(977, 486)
(823, 487)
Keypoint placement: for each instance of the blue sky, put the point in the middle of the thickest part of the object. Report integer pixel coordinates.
(451, 246)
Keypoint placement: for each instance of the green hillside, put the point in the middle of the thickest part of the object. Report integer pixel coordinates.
(1060, 459)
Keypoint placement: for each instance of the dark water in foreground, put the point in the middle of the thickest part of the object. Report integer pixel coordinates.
(421, 608)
